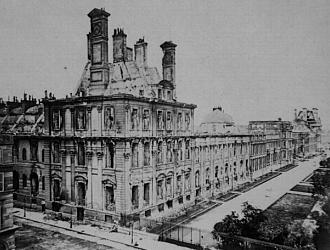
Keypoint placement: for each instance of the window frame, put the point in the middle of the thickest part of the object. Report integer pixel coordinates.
(2, 181)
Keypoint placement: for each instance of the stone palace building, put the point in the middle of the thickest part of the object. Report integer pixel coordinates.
(124, 144)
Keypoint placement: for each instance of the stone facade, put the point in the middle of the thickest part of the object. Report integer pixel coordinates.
(7, 228)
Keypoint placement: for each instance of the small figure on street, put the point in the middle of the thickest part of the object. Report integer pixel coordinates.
(43, 206)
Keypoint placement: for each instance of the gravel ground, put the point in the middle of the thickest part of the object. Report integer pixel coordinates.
(28, 237)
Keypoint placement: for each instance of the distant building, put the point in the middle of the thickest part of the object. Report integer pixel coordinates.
(307, 130)
(271, 145)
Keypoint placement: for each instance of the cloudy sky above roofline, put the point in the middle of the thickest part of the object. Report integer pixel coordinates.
(257, 59)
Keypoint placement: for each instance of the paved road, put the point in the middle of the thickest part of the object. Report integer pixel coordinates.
(261, 197)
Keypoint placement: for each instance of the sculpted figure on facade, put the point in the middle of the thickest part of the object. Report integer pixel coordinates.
(146, 119)
(134, 119)
(109, 117)
(81, 118)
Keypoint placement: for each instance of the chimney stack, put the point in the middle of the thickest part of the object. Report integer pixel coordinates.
(168, 63)
(119, 45)
(140, 51)
(97, 46)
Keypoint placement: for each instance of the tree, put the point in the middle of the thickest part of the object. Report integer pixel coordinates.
(231, 224)
(300, 235)
(252, 220)
(319, 187)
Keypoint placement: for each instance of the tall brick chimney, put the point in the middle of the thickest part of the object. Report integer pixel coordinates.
(98, 51)
(140, 51)
(119, 45)
(168, 63)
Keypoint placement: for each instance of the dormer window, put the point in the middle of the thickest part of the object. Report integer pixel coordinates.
(56, 120)
(169, 95)
(159, 93)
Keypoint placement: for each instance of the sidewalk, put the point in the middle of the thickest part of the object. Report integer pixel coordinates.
(118, 240)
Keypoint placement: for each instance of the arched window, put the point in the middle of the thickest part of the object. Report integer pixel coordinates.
(24, 154)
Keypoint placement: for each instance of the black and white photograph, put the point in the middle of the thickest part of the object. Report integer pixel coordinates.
(164, 124)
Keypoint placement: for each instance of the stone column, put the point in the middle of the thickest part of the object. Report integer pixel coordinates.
(90, 128)
(63, 166)
(73, 121)
(97, 186)
(153, 192)
(89, 195)
(99, 109)
(73, 160)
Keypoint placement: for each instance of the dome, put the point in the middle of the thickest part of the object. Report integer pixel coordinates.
(218, 116)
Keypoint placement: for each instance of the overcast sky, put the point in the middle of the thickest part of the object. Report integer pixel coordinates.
(257, 59)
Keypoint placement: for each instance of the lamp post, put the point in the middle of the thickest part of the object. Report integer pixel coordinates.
(24, 206)
(71, 218)
(132, 223)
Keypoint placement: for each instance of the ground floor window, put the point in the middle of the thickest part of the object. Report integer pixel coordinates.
(81, 193)
(109, 198)
(146, 193)
(135, 197)
(34, 183)
(57, 189)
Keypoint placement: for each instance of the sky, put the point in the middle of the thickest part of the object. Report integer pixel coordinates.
(258, 59)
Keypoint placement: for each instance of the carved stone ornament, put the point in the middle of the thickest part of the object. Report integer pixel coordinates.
(127, 107)
(126, 156)
(73, 152)
(89, 153)
(154, 152)
(63, 152)
(99, 109)
(99, 154)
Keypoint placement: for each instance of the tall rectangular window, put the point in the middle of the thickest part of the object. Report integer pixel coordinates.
(179, 122)
(109, 118)
(56, 152)
(135, 155)
(57, 120)
(160, 122)
(135, 196)
(169, 120)
(2, 182)
(187, 150)
(134, 119)
(81, 154)
(146, 193)
(146, 119)
(146, 154)
(110, 155)
(34, 150)
(81, 119)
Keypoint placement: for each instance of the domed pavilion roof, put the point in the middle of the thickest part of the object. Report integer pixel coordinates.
(218, 116)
